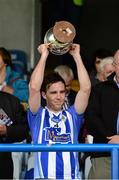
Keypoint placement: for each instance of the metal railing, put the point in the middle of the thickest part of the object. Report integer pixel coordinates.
(112, 148)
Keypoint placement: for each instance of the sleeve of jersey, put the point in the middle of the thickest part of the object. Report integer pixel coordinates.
(78, 119)
(34, 123)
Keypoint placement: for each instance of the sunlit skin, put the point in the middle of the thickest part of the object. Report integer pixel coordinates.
(55, 96)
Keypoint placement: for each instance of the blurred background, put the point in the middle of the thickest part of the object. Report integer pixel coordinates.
(23, 24)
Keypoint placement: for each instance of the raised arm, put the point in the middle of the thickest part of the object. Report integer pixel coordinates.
(37, 79)
(82, 97)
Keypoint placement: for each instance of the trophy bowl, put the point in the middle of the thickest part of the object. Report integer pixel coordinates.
(55, 47)
(60, 37)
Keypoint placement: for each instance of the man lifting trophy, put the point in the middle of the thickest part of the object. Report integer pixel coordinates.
(60, 37)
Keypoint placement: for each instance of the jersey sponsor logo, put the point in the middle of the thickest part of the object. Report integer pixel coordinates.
(54, 134)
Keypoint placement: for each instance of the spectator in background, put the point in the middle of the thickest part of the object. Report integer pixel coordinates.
(67, 74)
(106, 68)
(13, 128)
(52, 125)
(99, 54)
(102, 121)
(11, 81)
(105, 71)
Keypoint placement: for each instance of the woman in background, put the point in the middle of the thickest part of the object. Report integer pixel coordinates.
(10, 81)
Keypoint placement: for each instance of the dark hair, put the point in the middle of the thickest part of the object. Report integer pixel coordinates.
(102, 53)
(49, 79)
(6, 56)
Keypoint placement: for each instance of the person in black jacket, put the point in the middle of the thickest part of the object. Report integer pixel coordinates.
(97, 58)
(102, 121)
(13, 128)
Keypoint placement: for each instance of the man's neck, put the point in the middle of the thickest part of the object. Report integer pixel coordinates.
(53, 111)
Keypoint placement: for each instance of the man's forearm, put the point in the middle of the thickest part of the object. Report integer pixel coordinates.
(83, 76)
(38, 74)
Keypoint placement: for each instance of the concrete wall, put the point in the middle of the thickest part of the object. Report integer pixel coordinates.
(17, 26)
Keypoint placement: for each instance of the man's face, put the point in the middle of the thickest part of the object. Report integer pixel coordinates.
(108, 70)
(55, 96)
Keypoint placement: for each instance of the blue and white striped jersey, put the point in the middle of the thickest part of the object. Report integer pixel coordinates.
(47, 128)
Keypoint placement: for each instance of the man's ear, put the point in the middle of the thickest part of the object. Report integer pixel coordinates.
(43, 95)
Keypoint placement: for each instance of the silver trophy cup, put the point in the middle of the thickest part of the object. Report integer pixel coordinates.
(60, 37)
